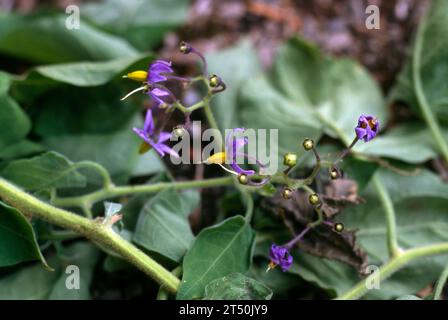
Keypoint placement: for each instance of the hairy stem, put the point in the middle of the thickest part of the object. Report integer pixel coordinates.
(440, 284)
(394, 265)
(91, 198)
(94, 230)
(425, 109)
(389, 211)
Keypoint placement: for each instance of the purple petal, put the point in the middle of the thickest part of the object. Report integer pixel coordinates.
(169, 150)
(240, 170)
(360, 132)
(160, 92)
(164, 136)
(149, 123)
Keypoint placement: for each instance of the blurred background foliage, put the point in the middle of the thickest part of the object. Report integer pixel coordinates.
(307, 68)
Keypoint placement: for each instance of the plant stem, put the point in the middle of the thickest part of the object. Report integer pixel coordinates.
(92, 229)
(209, 115)
(441, 283)
(394, 265)
(389, 211)
(425, 109)
(249, 206)
(90, 198)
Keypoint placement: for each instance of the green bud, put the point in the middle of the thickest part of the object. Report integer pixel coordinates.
(313, 199)
(178, 131)
(184, 47)
(308, 144)
(287, 193)
(243, 179)
(290, 159)
(338, 227)
(214, 81)
(334, 173)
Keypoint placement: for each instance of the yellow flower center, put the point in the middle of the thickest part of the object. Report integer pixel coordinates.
(138, 75)
(217, 158)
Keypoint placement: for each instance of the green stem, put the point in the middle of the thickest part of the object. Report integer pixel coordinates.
(425, 109)
(441, 283)
(394, 265)
(389, 211)
(91, 198)
(249, 206)
(107, 181)
(94, 230)
(209, 115)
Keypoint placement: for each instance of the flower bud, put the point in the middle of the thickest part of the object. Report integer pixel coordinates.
(338, 227)
(290, 159)
(308, 144)
(287, 193)
(185, 47)
(214, 81)
(243, 179)
(313, 199)
(178, 131)
(334, 173)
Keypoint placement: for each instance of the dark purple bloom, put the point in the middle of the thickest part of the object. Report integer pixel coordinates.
(155, 141)
(280, 257)
(233, 144)
(367, 128)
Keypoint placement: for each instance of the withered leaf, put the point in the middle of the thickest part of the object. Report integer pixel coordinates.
(322, 241)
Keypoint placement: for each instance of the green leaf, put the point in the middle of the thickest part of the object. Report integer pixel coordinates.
(14, 123)
(117, 152)
(142, 23)
(433, 68)
(18, 238)
(420, 204)
(21, 149)
(411, 143)
(409, 297)
(86, 74)
(5, 81)
(163, 224)
(237, 286)
(50, 170)
(56, 43)
(217, 251)
(36, 283)
(305, 95)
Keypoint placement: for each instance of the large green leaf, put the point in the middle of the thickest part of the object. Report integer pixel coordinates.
(50, 170)
(305, 95)
(409, 143)
(163, 224)
(433, 70)
(55, 43)
(420, 204)
(217, 251)
(237, 286)
(34, 282)
(117, 152)
(18, 238)
(142, 23)
(14, 123)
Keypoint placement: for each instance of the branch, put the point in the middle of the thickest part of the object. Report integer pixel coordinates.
(97, 232)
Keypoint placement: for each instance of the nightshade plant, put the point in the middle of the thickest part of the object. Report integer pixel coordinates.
(345, 197)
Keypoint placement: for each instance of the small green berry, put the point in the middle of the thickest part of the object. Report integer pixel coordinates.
(313, 199)
(287, 193)
(184, 47)
(243, 179)
(178, 131)
(338, 227)
(334, 173)
(214, 81)
(290, 159)
(308, 144)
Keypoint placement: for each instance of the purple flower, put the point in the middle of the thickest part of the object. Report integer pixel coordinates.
(367, 128)
(233, 144)
(158, 70)
(280, 257)
(155, 141)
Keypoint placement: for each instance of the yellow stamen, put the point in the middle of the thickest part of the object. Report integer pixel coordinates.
(144, 147)
(372, 123)
(217, 158)
(138, 75)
